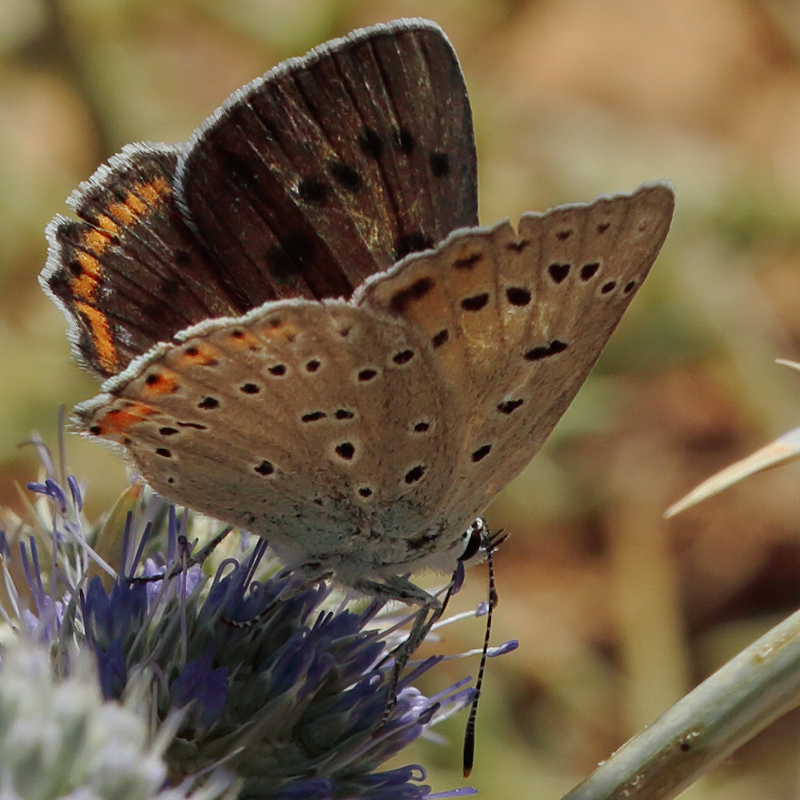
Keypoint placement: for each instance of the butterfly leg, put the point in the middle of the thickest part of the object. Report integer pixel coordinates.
(431, 608)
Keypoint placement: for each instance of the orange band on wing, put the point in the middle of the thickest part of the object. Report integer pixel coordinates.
(101, 336)
(153, 192)
(85, 284)
(107, 224)
(96, 241)
(138, 201)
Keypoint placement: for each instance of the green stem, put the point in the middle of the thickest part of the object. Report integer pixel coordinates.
(738, 701)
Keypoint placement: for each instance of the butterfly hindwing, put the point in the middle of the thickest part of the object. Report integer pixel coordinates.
(340, 427)
(128, 273)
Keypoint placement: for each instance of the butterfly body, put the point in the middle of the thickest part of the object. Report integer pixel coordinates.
(305, 332)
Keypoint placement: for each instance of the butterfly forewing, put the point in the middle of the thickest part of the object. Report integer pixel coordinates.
(517, 320)
(579, 293)
(333, 166)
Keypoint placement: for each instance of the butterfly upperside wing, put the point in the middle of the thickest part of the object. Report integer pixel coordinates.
(333, 166)
(324, 171)
(128, 273)
(517, 320)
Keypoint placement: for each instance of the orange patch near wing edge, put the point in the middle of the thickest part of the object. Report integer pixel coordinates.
(85, 284)
(159, 382)
(139, 200)
(100, 332)
(153, 192)
(96, 240)
(121, 420)
(200, 354)
(107, 224)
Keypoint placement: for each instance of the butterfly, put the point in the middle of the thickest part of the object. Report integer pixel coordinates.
(302, 328)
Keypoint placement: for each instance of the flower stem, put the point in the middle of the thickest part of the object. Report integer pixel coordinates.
(738, 701)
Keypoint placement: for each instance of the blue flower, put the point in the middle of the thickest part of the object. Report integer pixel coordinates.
(264, 672)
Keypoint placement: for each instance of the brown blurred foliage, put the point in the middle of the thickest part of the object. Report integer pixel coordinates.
(618, 612)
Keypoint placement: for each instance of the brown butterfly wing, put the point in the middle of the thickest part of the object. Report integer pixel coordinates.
(334, 166)
(128, 272)
(367, 435)
(305, 182)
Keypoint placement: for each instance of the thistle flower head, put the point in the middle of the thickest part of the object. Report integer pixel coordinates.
(282, 682)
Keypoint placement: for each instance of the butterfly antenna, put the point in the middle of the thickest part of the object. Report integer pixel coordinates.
(488, 545)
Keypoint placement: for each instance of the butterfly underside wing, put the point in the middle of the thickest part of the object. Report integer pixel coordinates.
(305, 182)
(366, 434)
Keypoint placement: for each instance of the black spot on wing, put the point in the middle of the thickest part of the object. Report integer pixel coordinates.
(405, 297)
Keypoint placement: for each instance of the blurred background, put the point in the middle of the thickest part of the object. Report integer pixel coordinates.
(618, 613)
